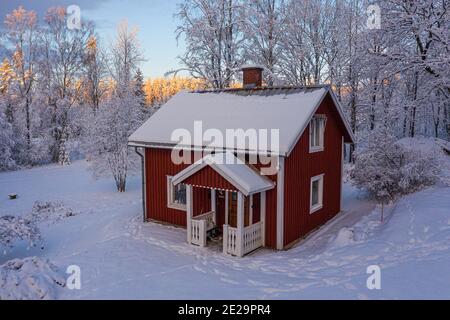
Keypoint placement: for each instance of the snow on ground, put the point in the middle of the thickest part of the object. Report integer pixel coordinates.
(30, 278)
(121, 257)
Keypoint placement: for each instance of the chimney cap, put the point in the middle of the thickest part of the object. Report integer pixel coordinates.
(252, 66)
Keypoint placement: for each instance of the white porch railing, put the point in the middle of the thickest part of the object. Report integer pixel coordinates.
(200, 225)
(238, 244)
(252, 238)
(209, 218)
(231, 243)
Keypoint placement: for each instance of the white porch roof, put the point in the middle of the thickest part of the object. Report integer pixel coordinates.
(231, 168)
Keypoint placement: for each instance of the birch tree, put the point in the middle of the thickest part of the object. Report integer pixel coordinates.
(62, 62)
(118, 117)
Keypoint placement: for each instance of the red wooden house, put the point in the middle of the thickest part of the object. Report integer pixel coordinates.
(245, 207)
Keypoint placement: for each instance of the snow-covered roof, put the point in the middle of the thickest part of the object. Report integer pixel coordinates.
(287, 109)
(231, 168)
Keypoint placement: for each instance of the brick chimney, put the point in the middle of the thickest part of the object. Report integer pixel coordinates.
(252, 76)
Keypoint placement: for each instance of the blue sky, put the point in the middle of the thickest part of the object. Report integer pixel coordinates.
(154, 19)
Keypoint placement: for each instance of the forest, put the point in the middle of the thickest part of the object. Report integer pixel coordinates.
(67, 94)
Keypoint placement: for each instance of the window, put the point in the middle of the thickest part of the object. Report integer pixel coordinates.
(316, 193)
(317, 133)
(176, 195)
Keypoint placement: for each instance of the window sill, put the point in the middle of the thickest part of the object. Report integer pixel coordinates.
(315, 209)
(177, 206)
(316, 149)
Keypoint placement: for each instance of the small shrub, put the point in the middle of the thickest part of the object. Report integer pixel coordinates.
(387, 170)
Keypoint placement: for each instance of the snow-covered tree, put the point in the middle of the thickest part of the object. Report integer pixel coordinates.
(13, 229)
(94, 74)
(261, 22)
(6, 144)
(416, 41)
(387, 170)
(125, 57)
(61, 66)
(210, 29)
(139, 90)
(22, 34)
(118, 117)
(107, 148)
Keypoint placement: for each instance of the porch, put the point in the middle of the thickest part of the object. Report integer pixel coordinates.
(237, 208)
(243, 229)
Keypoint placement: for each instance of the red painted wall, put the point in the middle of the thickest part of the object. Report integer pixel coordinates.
(158, 166)
(271, 212)
(301, 166)
(208, 177)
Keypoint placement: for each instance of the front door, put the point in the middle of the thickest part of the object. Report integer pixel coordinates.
(232, 210)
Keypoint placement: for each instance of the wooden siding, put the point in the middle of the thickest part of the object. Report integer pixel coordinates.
(209, 178)
(202, 201)
(301, 166)
(159, 165)
(271, 212)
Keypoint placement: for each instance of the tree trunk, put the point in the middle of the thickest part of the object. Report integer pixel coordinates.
(121, 183)
(28, 121)
(412, 124)
(373, 105)
(446, 120)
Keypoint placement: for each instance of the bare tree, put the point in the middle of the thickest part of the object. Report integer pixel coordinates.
(120, 115)
(261, 23)
(213, 40)
(61, 67)
(94, 74)
(22, 34)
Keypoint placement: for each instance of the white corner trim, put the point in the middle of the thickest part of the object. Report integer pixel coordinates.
(342, 175)
(263, 217)
(144, 196)
(280, 204)
(227, 209)
(189, 213)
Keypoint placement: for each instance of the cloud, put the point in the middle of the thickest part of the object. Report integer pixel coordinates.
(41, 6)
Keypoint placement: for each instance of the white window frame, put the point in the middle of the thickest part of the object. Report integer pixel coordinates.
(170, 201)
(320, 120)
(318, 206)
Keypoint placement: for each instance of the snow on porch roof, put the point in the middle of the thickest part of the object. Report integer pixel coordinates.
(231, 168)
(287, 109)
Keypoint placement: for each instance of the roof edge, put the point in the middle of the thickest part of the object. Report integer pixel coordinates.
(340, 113)
(205, 161)
(153, 145)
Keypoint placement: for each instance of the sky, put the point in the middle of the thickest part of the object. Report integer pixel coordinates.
(154, 19)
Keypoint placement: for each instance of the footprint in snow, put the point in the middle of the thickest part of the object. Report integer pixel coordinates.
(229, 281)
(220, 273)
(257, 283)
(196, 268)
(349, 286)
